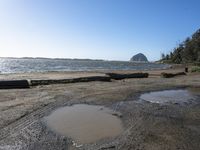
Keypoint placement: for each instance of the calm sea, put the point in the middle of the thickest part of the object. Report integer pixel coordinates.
(16, 65)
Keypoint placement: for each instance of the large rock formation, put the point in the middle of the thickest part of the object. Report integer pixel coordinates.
(139, 58)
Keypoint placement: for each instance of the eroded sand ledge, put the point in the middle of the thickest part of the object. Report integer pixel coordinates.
(148, 126)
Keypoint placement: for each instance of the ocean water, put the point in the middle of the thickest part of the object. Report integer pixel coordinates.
(21, 65)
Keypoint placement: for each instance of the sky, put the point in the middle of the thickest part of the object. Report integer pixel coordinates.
(95, 29)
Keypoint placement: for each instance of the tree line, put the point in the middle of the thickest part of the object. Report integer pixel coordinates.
(186, 52)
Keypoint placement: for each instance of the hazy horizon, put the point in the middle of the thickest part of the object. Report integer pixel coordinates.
(95, 29)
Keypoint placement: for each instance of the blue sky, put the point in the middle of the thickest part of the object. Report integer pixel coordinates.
(96, 29)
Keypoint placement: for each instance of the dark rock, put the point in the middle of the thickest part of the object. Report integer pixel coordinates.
(139, 58)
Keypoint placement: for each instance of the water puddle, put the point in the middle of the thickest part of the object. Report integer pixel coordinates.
(180, 96)
(85, 123)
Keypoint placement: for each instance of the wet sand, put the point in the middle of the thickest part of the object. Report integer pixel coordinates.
(147, 126)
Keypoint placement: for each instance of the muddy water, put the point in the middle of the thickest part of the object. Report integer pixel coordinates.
(180, 96)
(85, 123)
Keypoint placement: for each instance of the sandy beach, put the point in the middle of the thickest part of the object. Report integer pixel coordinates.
(147, 126)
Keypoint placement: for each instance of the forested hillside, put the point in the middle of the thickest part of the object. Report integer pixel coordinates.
(187, 52)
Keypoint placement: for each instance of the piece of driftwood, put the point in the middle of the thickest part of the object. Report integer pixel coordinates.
(108, 147)
(117, 76)
(14, 84)
(73, 80)
(171, 75)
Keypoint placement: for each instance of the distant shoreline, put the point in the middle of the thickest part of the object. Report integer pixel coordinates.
(81, 59)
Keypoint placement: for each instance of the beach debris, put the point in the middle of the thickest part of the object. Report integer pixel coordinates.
(101, 108)
(14, 84)
(186, 69)
(76, 144)
(118, 76)
(171, 75)
(118, 114)
(108, 147)
(73, 80)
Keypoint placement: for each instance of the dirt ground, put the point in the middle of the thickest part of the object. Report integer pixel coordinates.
(147, 126)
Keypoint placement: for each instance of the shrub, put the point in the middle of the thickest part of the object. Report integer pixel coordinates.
(195, 69)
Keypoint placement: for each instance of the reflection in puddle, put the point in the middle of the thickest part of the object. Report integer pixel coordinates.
(85, 123)
(172, 96)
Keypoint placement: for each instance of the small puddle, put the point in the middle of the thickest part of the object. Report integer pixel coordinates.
(179, 96)
(85, 123)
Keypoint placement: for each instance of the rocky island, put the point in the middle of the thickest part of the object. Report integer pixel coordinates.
(139, 58)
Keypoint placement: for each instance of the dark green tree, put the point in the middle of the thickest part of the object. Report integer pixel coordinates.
(187, 52)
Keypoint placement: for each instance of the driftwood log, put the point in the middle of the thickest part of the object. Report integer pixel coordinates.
(117, 76)
(73, 80)
(171, 75)
(14, 84)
